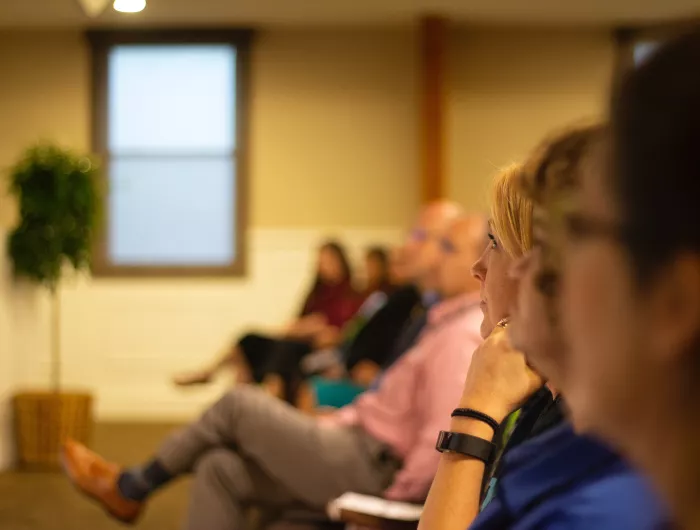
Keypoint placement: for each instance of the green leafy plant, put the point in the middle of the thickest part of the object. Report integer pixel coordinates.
(58, 199)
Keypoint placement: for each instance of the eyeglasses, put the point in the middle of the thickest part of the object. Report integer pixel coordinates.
(421, 235)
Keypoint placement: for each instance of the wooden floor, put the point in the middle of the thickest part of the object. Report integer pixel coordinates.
(46, 501)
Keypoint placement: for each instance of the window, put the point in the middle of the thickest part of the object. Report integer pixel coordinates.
(169, 123)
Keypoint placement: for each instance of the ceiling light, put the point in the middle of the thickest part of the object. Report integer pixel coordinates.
(129, 6)
(93, 8)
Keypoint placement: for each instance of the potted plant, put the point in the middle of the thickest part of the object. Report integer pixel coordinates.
(57, 196)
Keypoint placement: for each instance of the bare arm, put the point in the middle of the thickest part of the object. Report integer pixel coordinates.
(497, 383)
(453, 502)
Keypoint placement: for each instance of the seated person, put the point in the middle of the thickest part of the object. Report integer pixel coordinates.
(630, 278)
(287, 364)
(339, 375)
(250, 448)
(369, 337)
(329, 305)
(553, 479)
(380, 284)
(384, 280)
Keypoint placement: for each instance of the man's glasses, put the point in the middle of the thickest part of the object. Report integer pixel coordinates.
(447, 246)
(420, 235)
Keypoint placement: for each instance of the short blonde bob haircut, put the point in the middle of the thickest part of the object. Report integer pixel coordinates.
(511, 211)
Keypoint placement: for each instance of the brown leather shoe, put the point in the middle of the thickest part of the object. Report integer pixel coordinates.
(97, 479)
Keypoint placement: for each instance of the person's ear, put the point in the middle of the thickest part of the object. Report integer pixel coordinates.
(676, 303)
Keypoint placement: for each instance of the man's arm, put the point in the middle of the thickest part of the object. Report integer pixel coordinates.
(443, 376)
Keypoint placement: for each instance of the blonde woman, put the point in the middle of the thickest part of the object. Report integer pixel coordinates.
(551, 479)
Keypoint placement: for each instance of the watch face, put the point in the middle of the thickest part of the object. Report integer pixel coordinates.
(443, 441)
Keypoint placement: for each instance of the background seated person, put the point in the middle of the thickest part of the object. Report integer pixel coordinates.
(387, 335)
(250, 448)
(330, 303)
(336, 376)
(279, 369)
(380, 284)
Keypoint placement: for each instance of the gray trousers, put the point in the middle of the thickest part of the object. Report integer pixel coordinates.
(252, 449)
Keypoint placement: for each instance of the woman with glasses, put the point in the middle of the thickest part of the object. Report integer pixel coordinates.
(631, 278)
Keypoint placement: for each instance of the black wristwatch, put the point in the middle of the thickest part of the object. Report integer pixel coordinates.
(466, 444)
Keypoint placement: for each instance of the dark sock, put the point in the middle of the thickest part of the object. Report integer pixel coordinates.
(156, 475)
(138, 483)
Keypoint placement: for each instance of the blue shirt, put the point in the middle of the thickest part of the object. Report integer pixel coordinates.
(562, 481)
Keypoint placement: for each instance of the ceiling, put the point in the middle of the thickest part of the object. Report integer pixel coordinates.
(68, 13)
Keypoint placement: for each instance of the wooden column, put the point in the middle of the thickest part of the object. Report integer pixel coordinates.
(433, 112)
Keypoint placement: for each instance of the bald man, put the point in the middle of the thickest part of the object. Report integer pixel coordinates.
(250, 448)
(422, 249)
(462, 246)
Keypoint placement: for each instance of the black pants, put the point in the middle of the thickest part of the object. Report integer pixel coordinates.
(266, 355)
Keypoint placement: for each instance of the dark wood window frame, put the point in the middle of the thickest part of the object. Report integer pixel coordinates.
(101, 41)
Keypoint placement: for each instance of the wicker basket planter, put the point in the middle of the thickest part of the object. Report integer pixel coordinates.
(43, 420)
(58, 199)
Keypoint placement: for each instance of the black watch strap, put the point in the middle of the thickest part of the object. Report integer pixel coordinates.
(466, 444)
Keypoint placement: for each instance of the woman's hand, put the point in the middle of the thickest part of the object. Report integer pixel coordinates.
(499, 379)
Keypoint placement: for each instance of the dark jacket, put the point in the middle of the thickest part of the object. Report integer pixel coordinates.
(376, 339)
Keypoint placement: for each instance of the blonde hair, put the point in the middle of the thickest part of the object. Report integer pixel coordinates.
(511, 211)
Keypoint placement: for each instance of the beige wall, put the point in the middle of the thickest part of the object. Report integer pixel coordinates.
(334, 128)
(333, 138)
(333, 143)
(509, 88)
